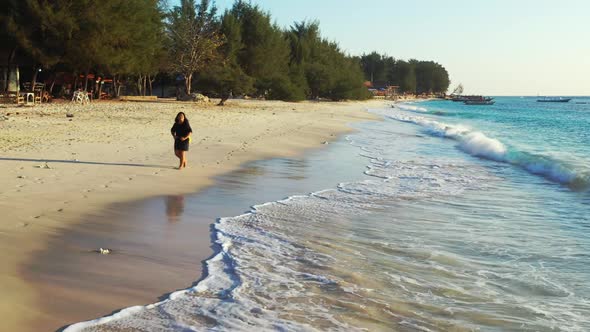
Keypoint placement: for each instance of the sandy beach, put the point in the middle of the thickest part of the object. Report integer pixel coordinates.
(58, 172)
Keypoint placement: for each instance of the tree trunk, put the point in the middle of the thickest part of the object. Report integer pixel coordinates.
(151, 81)
(222, 101)
(4, 87)
(52, 84)
(115, 88)
(188, 81)
(99, 91)
(138, 85)
(11, 56)
(86, 81)
(75, 87)
(144, 85)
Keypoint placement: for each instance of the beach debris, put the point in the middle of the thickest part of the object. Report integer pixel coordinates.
(45, 166)
(256, 311)
(69, 115)
(20, 177)
(104, 251)
(326, 143)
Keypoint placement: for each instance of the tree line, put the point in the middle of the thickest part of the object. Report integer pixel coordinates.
(238, 52)
(413, 76)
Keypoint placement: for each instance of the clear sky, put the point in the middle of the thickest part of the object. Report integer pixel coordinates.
(493, 47)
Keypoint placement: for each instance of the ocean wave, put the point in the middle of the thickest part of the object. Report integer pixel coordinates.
(412, 108)
(419, 109)
(478, 144)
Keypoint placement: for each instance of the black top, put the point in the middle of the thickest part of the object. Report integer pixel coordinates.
(181, 129)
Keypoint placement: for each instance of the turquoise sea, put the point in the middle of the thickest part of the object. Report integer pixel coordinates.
(441, 217)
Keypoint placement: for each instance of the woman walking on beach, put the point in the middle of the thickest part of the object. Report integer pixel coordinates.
(181, 131)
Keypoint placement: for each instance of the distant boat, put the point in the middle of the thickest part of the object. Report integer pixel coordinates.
(469, 98)
(479, 102)
(553, 100)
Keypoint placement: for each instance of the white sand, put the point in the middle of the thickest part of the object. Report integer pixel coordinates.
(55, 169)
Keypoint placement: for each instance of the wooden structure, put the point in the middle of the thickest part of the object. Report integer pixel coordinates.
(80, 97)
(37, 90)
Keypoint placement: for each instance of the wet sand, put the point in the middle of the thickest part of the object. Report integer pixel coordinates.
(60, 179)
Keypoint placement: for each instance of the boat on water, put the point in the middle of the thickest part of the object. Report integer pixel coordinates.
(470, 98)
(553, 100)
(480, 102)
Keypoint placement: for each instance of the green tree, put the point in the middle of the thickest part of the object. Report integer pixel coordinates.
(405, 75)
(265, 53)
(41, 29)
(194, 38)
(226, 77)
(328, 71)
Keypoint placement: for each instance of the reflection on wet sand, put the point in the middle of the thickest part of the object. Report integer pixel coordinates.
(154, 253)
(174, 207)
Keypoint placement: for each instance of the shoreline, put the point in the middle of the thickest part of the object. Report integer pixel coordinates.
(41, 201)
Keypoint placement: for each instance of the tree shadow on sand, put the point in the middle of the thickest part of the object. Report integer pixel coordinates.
(85, 162)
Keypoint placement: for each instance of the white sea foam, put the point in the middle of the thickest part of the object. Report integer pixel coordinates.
(478, 144)
(413, 108)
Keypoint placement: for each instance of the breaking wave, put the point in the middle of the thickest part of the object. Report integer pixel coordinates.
(478, 144)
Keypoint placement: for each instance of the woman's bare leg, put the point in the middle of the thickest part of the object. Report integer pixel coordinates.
(182, 159)
(178, 154)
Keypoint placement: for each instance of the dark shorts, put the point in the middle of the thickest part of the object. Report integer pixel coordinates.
(181, 145)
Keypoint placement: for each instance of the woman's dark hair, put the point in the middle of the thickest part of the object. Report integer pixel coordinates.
(176, 120)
